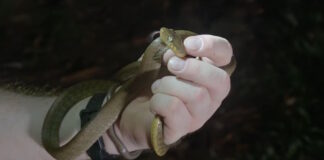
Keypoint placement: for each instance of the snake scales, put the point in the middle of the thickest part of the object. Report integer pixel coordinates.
(134, 78)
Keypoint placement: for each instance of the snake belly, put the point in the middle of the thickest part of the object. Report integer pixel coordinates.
(147, 71)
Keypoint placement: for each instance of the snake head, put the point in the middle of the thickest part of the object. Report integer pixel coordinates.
(173, 41)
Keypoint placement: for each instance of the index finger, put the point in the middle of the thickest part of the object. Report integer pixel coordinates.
(215, 48)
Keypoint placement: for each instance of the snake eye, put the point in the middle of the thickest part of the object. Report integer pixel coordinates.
(153, 35)
(170, 38)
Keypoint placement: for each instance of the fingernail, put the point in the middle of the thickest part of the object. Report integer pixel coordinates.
(193, 43)
(176, 63)
(155, 85)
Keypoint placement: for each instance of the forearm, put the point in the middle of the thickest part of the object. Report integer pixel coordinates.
(21, 119)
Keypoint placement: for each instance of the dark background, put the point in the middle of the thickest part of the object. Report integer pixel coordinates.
(274, 110)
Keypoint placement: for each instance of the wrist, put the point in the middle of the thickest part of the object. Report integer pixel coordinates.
(110, 146)
(128, 144)
(120, 146)
(133, 127)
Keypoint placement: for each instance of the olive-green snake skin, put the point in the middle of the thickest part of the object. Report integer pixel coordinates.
(135, 80)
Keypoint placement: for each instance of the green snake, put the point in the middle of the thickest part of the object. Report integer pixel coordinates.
(135, 80)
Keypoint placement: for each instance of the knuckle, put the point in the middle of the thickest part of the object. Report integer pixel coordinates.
(226, 80)
(154, 103)
(222, 50)
(224, 84)
(200, 94)
(226, 77)
(208, 43)
(223, 77)
(173, 106)
(193, 66)
(165, 80)
(227, 84)
(227, 49)
(195, 125)
(224, 41)
(218, 75)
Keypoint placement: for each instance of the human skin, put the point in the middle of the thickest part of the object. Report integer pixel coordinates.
(186, 100)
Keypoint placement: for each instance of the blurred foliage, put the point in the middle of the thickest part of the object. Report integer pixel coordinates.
(274, 110)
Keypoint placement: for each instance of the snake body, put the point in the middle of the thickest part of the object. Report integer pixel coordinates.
(134, 84)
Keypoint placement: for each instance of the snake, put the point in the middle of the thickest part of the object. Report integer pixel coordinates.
(130, 82)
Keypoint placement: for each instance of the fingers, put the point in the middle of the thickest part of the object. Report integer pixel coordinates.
(190, 94)
(217, 49)
(188, 99)
(204, 74)
(175, 116)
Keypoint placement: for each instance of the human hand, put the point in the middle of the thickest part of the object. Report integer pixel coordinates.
(185, 100)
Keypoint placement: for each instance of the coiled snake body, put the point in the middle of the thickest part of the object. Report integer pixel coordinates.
(146, 72)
